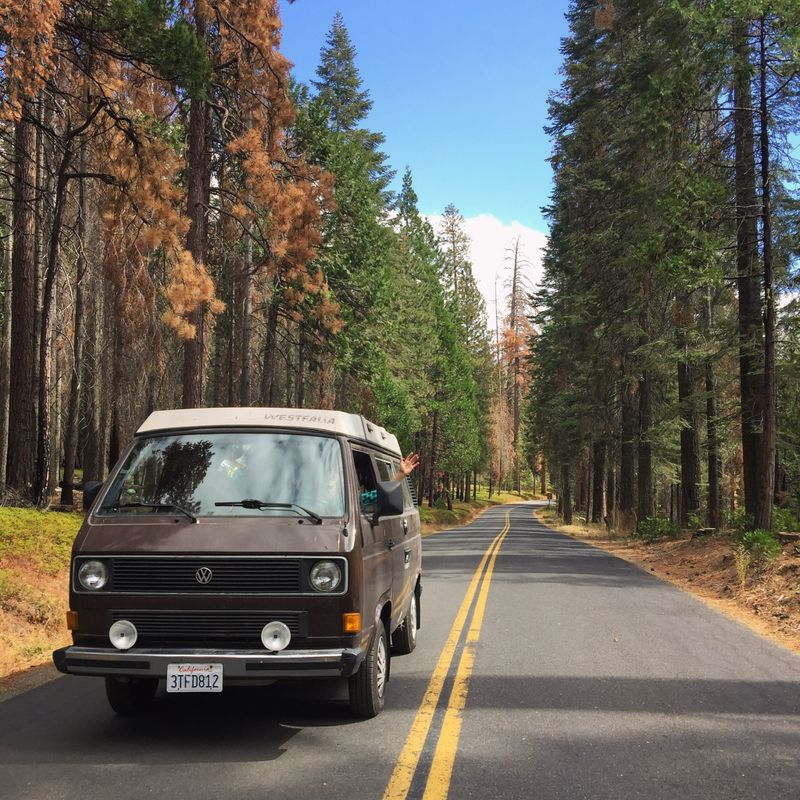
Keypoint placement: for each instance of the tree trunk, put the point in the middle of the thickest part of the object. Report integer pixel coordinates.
(5, 348)
(431, 464)
(714, 460)
(690, 442)
(627, 451)
(301, 365)
(270, 348)
(22, 435)
(247, 322)
(645, 476)
(71, 432)
(598, 470)
(92, 376)
(747, 270)
(566, 496)
(611, 494)
(198, 168)
(56, 412)
(45, 356)
(766, 485)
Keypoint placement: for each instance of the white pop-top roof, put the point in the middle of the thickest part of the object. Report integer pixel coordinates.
(352, 425)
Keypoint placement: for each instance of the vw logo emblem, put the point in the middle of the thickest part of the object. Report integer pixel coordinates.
(203, 575)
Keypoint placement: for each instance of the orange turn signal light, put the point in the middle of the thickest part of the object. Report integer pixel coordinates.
(351, 623)
(72, 620)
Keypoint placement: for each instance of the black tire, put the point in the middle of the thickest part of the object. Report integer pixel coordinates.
(129, 696)
(368, 685)
(404, 639)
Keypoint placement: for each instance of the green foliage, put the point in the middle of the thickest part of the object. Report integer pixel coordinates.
(655, 527)
(339, 82)
(695, 520)
(739, 520)
(42, 537)
(154, 32)
(345, 104)
(762, 545)
(784, 519)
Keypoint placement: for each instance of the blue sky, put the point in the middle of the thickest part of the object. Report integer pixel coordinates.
(459, 90)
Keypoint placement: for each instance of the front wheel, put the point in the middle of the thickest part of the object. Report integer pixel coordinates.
(404, 639)
(367, 686)
(129, 696)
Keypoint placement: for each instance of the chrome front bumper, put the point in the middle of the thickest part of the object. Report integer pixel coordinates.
(236, 664)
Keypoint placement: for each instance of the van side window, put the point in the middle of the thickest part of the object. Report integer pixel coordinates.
(408, 499)
(367, 486)
(385, 469)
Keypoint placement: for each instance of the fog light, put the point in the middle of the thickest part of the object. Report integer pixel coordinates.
(275, 636)
(123, 634)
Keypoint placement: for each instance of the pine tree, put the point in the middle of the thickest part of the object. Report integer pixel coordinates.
(338, 81)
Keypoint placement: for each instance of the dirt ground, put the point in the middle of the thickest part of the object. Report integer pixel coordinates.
(769, 603)
(32, 616)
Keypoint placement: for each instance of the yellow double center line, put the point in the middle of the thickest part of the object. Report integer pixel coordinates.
(441, 770)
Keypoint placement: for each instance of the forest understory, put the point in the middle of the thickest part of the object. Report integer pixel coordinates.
(769, 602)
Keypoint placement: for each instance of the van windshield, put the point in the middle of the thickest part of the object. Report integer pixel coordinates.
(193, 472)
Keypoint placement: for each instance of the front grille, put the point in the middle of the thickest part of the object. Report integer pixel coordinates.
(229, 575)
(198, 627)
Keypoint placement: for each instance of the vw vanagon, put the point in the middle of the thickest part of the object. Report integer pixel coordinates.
(241, 544)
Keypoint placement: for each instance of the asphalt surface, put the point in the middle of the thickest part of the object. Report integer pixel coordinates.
(591, 679)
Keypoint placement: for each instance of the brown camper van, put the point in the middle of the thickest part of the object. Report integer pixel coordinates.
(242, 544)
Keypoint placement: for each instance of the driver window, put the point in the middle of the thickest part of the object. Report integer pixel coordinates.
(367, 486)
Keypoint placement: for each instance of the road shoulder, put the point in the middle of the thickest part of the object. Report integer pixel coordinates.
(768, 606)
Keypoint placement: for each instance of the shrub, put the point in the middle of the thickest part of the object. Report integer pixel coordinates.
(739, 521)
(696, 520)
(742, 559)
(654, 527)
(784, 519)
(762, 545)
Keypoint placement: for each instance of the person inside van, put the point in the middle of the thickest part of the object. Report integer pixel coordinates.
(367, 486)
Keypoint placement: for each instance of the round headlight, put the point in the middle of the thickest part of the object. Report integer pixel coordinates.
(93, 575)
(326, 576)
(275, 636)
(123, 634)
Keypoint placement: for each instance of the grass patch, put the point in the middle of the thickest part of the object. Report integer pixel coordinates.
(34, 572)
(44, 538)
(505, 497)
(440, 517)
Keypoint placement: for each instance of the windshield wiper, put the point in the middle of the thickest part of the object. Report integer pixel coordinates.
(259, 504)
(156, 506)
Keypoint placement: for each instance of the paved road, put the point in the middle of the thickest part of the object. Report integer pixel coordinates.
(580, 676)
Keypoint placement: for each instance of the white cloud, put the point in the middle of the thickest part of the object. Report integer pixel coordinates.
(490, 239)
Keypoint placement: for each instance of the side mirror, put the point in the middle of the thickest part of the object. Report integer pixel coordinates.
(90, 491)
(390, 499)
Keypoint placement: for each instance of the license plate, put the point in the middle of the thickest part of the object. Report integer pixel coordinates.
(194, 677)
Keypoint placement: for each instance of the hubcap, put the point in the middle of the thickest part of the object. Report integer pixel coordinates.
(412, 618)
(380, 666)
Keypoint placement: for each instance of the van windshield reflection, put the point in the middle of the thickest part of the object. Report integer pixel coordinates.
(194, 471)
